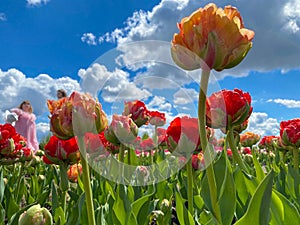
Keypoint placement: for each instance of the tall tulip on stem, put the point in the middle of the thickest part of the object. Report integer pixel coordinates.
(229, 110)
(210, 38)
(77, 115)
(290, 136)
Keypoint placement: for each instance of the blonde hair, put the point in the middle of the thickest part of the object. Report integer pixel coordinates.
(26, 102)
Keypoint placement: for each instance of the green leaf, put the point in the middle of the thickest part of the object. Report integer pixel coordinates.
(2, 187)
(258, 210)
(283, 211)
(2, 215)
(120, 207)
(225, 189)
(242, 195)
(55, 202)
(13, 207)
(74, 217)
(184, 216)
(140, 208)
(258, 169)
(198, 201)
(59, 215)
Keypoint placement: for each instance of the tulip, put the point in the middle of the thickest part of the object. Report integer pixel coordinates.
(210, 38)
(249, 139)
(73, 172)
(87, 114)
(290, 136)
(182, 127)
(216, 36)
(57, 150)
(226, 108)
(122, 130)
(157, 118)
(267, 142)
(198, 161)
(137, 111)
(36, 215)
(290, 132)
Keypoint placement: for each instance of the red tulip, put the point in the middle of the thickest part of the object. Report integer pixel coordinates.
(227, 108)
(198, 161)
(216, 36)
(13, 145)
(183, 127)
(290, 132)
(267, 141)
(157, 118)
(137, 111)
(61, 150)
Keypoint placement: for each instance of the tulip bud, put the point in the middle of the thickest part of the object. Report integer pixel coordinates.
(36, 215)
(137, 111)
(121, 130)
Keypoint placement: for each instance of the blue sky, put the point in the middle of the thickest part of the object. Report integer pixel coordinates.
(119, 50)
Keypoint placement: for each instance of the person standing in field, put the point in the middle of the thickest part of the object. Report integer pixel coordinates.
(25, 125)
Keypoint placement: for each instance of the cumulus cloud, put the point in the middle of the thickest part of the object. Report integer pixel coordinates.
(159, 103)
(42, 130)
(36, 2)
(112, 86)
(185, 95)
(16, 87)
(261, 123)
(275, 45)
(289, 103)
(89, 38)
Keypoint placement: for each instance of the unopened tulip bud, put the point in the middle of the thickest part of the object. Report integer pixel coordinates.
(36, 215)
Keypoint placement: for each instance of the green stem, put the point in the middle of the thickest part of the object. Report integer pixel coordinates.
(204, 143)
(296, 159)
(86, 182)
(236, 156)
(190, 186)
(121, 164)
(64, 185)
(19, 181)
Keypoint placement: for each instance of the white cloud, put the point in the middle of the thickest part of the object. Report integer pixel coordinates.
(42, 130)
(291, 11)
(16, 87)
(185, 95)
(36, 2)
(272, 45)
(2, 17)
(89, 38)
(159, 103)
(261, 123)
(289, 103)
(114, 86)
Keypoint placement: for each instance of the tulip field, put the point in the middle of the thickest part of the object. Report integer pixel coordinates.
(94, 171)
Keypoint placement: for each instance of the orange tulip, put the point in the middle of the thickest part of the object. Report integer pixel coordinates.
(216, 36)
(248, 139)
(83, 108)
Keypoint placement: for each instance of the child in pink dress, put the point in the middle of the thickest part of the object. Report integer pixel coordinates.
(25, 125)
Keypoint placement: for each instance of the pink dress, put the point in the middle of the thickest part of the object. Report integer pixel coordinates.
(25, 125)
